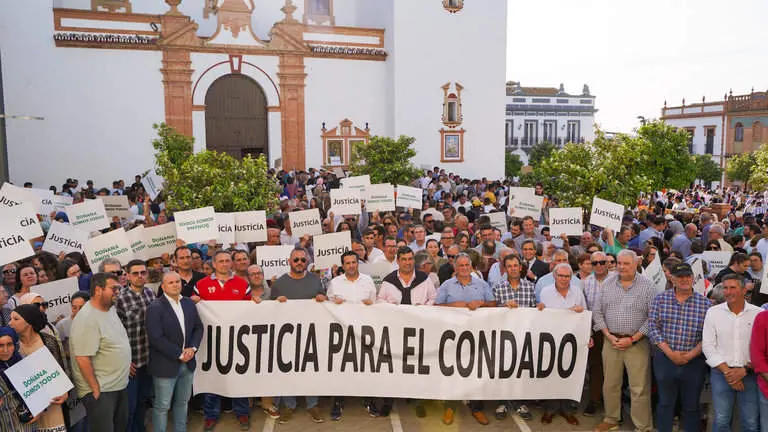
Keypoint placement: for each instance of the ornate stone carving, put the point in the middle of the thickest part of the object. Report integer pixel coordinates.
(111, 5)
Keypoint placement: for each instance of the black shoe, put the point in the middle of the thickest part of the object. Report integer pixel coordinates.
(336, 411)
(590, 409)
(384, 411)
(370, 406)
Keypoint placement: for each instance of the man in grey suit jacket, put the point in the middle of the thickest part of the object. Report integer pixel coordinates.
(175, 331)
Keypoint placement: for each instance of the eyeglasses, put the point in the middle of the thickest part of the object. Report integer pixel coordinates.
(603, 262)
(451, 256)
(139, 273)
(117, 273)
(564, 276)
(255, 273)
(41, 304)
(299, 260)
(9, 271)
(447, 237)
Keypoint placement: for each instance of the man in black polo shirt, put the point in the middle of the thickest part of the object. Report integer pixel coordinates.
(189, 277)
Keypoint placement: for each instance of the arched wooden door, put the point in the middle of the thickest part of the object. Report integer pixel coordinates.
(236, 117)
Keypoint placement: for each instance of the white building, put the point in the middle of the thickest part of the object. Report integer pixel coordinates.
(302, 83)
(704, 123)
(538, 114)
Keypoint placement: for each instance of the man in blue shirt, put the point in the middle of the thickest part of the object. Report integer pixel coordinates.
(463, 290)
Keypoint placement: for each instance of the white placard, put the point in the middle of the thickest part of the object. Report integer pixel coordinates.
(346, 201)
(46, 201)
(225, 223)
(13, 246)
(606, 214)
(273, 260)
(329, 248)
(409, 197)
(89, 215)
(381, 197)
(38, 378)
(566, 221)
(160, 239)
(360, 183)
(498, 220)
(57, 294)
(305, 222)
(718, 260)
(117, 205)
(524, 202)
(699, 284)
(198, 225)
(376, 270)
(64, 238)
(655, 273)
(251, 226)
(11, 195)
(407, 346)
(61, 202)
(339, 173)
(24, 218)
(136, 239)
(114, 244)
(153, 184)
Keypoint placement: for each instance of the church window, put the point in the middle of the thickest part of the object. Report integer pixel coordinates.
(453, 6)
(757, 132)
(319, 12)
(452, 105)
(341, 144)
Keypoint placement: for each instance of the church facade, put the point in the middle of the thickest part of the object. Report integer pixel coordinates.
(303, 82)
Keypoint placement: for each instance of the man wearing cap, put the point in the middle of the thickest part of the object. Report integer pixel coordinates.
(675, 325)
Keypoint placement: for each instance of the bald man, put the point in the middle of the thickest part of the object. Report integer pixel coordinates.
(681, 242)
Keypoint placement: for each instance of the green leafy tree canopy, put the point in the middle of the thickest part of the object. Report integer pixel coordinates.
(386, 160)
(662, 155)
(512, 164)
(539, 152)
(740, 167)
(210, 178)
(707, 170)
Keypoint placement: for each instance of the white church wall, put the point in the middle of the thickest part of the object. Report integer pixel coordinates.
(338, 89)
(87, 97)
(433, 47)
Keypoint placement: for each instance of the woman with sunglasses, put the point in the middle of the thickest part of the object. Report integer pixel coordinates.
(713, 245)
(9, 278)
(28, 322)
(26, 278)
(37, 300)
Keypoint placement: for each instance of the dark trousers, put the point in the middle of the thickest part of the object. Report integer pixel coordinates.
(686, 381)
(109, 413)
(474, 405)
(595, 361)
(139, 395)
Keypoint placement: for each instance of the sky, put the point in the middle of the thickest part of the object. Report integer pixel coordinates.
(634, 55)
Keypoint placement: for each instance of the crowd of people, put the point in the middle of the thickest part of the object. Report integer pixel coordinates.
(131, 340)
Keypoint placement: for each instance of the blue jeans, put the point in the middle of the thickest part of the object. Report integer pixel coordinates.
(139, 395)
(290, 401)
(763, 411)
(212, 406)
(177, 390)
(687, 381)
(724, 397)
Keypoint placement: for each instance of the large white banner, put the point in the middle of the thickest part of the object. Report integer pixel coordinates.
(329, 248)
(524, 202)
(57, 294)
(88, 215)
(64, 238)
(565, 221)
(308, 348)
(606, 214)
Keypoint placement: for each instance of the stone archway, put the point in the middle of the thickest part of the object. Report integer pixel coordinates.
(236, 117)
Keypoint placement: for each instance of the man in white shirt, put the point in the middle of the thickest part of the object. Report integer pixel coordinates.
(420, 238)
(390, 252)
(350, 287)
(369, 241)
(725, 343)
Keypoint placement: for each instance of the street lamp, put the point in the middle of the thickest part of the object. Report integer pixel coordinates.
(3, 148)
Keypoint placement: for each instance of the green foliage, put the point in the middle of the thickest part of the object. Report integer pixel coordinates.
(386, 160)
(539, 152)
(741, 167)
(663, 156)
(211, 178)
(512, 164)
(707, 170)
(759, 178)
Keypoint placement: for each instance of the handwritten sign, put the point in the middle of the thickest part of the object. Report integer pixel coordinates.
(196, 225)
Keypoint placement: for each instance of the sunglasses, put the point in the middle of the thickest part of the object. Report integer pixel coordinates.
(41, 304)
(299, 260)
(451, 256)
(9, 271)
(603, 262)
(118, 273)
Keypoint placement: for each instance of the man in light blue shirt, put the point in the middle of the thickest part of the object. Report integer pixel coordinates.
(560, 256)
